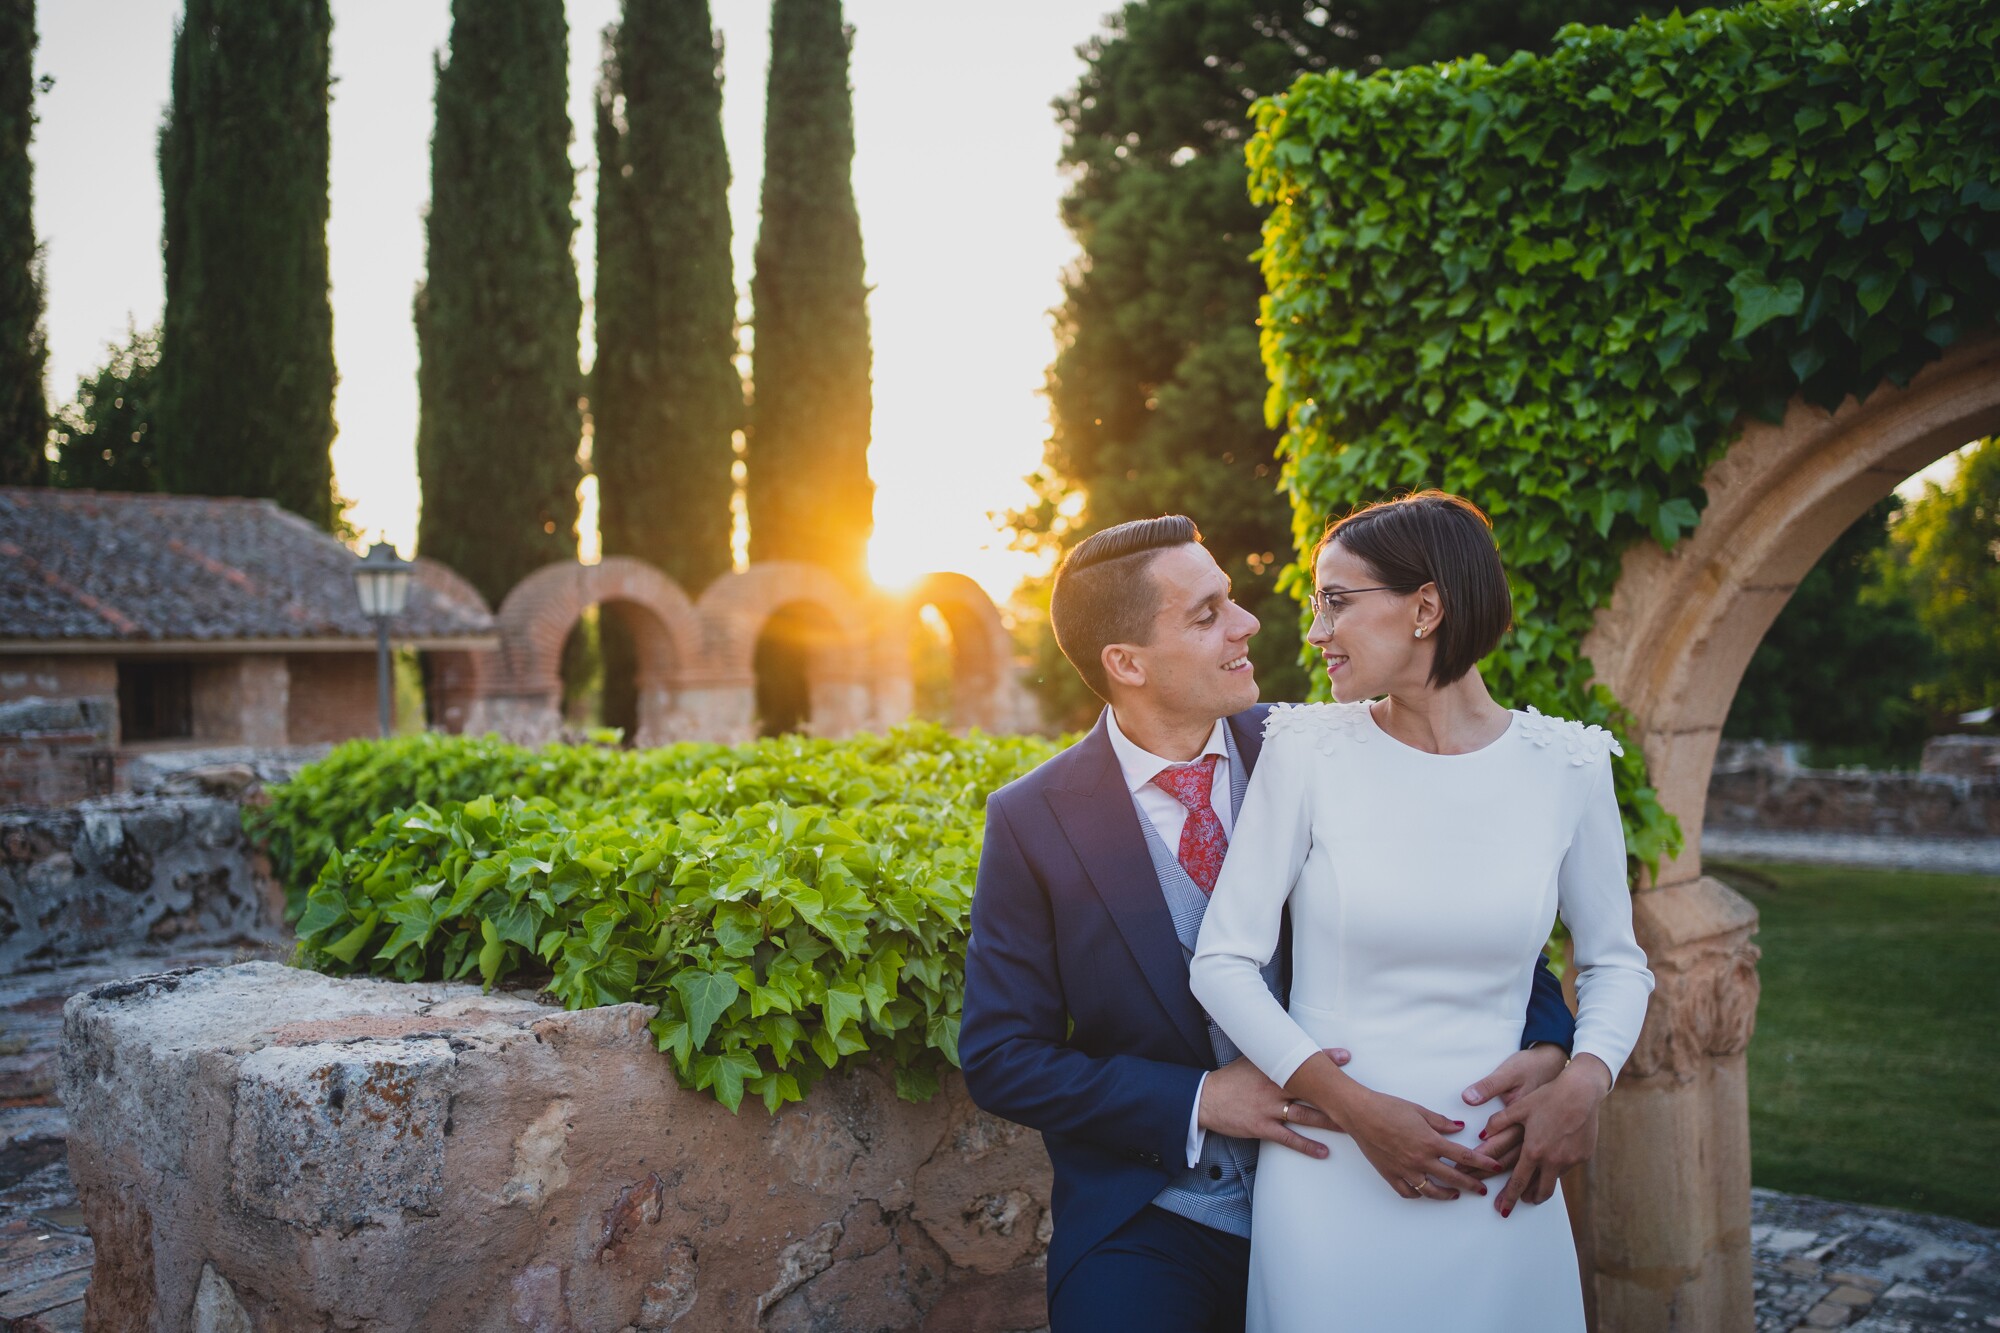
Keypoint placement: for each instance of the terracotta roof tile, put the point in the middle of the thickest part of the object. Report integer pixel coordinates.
(94, 565)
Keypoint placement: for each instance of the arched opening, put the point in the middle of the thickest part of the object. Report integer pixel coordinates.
(549, 671)
(1683, 625)
(934, 654)
(959, 654)
(798, 655)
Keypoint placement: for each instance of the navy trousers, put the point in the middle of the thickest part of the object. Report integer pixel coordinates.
(1159, 1273)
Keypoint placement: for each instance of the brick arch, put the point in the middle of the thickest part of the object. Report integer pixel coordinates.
(734, 611)
(524, 693)
(1682, 625)
(984, 691)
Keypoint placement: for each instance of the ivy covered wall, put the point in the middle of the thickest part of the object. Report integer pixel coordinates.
(1556, 285)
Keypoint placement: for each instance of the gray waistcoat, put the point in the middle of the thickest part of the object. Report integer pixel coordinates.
(1216, 1190)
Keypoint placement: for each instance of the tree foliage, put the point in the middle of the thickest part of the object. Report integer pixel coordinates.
(1559, 284)
(244, 404)
(809, 493)
(789, 905)
(1156, 388)
(24, 413)
(1841, 666)
(1946, 559)
(665, 394)
(104, 439)
(499, 311)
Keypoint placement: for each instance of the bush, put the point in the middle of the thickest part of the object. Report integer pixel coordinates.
(786, 904)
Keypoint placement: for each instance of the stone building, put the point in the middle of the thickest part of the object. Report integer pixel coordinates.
(131, 624)
(136, 623)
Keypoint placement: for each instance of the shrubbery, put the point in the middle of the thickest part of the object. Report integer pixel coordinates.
(785, 904)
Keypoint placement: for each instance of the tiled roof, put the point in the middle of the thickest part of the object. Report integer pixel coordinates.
(83, 566)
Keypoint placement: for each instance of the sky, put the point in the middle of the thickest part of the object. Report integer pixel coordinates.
(955, 177)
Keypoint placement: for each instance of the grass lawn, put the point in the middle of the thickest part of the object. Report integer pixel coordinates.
(1875, 1071)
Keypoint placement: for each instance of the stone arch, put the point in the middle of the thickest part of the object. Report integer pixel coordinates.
(1672, 646)
(985, 693)
(1682, 625)
(523, 696)
(734, 611)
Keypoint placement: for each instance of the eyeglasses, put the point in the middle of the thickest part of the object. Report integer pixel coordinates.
(1322, 601)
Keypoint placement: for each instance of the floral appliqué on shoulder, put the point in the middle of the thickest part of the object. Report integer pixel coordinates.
(1325, 725)
(1585, 744)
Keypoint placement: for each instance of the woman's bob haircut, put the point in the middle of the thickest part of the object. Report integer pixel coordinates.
(1432, 537)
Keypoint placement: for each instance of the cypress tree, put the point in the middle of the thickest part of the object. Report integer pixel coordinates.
(24, 413)
(809, 492)
(665, 395)
(245, 398)
(498, 314)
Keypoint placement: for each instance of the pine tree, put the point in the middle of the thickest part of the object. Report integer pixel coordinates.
(245, 395)
(665, 394)
(24, 413)
(499, 311)
(809, 493)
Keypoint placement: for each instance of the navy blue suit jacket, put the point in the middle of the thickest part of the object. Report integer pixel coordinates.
(1078, 1018)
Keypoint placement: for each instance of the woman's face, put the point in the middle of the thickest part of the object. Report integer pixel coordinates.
(1370, 647)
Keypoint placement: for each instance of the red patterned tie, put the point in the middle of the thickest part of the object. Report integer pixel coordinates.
(1202, 840)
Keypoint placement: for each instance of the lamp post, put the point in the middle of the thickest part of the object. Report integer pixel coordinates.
(382, 580)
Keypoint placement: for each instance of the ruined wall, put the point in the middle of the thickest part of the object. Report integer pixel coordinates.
(125, 871)
(286, 1151)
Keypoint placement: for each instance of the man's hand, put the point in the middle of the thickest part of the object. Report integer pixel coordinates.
(1237, 1100)
(1517, 1076)
(1559, 1124)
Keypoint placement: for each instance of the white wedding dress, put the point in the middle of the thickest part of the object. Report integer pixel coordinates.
(1422, 888)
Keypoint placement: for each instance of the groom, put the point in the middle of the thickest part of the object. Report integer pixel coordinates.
(1092, 883)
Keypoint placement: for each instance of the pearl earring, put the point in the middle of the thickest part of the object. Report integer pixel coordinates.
(1420, 631)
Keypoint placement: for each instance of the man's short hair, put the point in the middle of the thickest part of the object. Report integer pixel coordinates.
(1103, 594)
(1433, 537)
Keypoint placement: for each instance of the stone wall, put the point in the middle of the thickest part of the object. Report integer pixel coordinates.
(259, 1148)
(57, 750)
(124, 871)
(1754, 788)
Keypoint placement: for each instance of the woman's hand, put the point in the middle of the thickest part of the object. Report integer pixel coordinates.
(1403, 1141)
(1559, 1124)
(1408, 1147)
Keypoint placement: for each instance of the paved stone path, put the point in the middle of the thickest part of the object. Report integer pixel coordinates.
(1963, 856)
(1818, 1265)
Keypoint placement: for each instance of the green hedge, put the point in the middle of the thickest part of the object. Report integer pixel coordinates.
(786, 904)
(1558, 284)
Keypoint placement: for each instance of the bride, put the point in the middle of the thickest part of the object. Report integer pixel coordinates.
(1424, 843)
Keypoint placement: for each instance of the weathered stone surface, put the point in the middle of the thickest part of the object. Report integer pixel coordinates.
(1884, 804)
(122, 871)
(363, 1155)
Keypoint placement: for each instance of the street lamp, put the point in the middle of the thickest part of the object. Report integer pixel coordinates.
(382, 580)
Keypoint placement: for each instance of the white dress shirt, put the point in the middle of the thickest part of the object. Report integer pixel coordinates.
(1168, 816)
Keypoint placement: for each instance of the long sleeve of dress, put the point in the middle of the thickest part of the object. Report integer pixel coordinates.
(1612, 981)
(1239, 931)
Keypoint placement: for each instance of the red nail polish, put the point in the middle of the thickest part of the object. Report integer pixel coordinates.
(1458, 1124)
(1482, 1133)
(1508, 1211)
(1482, 1191)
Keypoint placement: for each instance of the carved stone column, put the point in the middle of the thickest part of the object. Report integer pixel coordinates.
(1663, 1212)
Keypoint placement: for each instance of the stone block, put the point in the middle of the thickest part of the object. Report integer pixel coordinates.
(262, 1148)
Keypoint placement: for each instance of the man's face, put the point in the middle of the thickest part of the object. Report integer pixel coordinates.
(1198, 660)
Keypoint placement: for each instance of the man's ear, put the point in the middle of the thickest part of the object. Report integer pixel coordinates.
(1123, 665)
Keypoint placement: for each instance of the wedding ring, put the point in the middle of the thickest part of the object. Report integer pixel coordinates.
(1418, 1188)
(1285, 1112)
